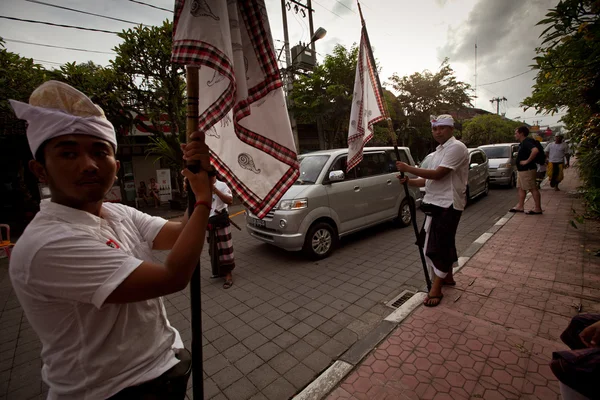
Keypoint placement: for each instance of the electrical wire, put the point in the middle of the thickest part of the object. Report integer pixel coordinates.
(333, 12)
(58, 47)
(151, 5)
(506, 79)
(58, 25)
(84, 12)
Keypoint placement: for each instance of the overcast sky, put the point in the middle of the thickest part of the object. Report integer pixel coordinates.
(407, 35)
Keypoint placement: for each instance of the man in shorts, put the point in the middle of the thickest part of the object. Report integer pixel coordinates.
(527, 171)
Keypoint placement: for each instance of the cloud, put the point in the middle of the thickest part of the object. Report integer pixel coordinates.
(506, 35)
(343, 7)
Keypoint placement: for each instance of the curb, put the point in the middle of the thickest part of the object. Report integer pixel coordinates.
(332, 376)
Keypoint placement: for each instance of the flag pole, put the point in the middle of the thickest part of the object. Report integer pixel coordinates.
(195, 294)
(411, 204)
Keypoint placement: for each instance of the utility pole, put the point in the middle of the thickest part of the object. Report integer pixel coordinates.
(289, 77)
(475, 72)
(497, 100)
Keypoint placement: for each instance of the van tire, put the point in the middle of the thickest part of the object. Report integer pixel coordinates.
(399, 221)
(486, 189)
(320, 241)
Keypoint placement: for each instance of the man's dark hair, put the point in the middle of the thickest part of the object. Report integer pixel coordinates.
(523, 130)
(39, 155)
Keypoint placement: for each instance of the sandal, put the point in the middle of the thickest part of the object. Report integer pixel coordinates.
(516, 210)
(228, 283)
(426, 302)
(452, 283)
(531, 212)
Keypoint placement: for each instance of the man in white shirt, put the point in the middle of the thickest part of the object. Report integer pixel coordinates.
(83, 270)
(219, 233)
(556, 153)
(445, 199)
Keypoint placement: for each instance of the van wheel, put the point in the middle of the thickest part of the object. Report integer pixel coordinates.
(513, 181)
(404, 218)
(320, 241)
(468, 193)
(486, 189)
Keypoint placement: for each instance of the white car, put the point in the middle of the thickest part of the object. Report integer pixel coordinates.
(479, 177)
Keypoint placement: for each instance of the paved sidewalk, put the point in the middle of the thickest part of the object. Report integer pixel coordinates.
(493, 334)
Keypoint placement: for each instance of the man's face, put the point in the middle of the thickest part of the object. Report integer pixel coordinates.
(519, 136)
(558, 139)
(79, 169)
(441, 134)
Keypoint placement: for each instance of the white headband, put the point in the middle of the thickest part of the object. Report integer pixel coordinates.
(47, 123)
(442, 120)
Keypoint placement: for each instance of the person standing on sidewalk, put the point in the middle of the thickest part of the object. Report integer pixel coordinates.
(219, 233)
(527, 171)
(445, 199)
(556, 153)
(83, 270)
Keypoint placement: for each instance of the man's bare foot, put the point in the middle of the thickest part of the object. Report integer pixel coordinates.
(228, 281)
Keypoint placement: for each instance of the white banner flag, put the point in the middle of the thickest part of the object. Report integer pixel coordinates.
(242, 107)
(367, 104)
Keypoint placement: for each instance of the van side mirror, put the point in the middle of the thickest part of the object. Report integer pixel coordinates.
(336, 176)
(515, 154)
(473, 165)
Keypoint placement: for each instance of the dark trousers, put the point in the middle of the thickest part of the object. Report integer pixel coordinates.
(170, 385)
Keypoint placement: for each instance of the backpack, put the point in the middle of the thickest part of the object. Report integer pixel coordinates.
(541, 155)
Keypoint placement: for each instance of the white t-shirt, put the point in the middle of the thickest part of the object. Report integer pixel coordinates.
(557, 151)
(217, 203)
(451, 189)
(62, 269)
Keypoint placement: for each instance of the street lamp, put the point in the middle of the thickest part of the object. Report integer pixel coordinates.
(318, 35)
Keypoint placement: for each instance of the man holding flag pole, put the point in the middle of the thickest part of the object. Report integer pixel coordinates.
(368, 108)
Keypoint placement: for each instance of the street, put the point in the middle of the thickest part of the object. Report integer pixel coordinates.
(284, 320)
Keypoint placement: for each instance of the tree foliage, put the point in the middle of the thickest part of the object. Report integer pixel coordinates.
(568, 79)
(153, 84)
(19, 76)
(488, 129)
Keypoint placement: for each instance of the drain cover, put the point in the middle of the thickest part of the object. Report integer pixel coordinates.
(400, 299)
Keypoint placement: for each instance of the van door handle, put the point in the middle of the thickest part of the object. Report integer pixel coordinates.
(389, 182)
(356, 188)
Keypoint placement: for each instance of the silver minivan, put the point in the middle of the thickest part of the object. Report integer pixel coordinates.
(502, 163)
(327, 203)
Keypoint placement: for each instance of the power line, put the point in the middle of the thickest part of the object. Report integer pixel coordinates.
(346, 6)
(58, 47)
(150, 5)
(333, 12)
(58, 25)
(46, 62)
(84, 12)
(503, 80)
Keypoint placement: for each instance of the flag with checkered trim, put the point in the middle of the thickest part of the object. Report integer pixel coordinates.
(242, 107)
(367, 103)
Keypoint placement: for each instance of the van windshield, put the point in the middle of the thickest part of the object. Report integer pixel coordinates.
(310, 168)
(497, 151)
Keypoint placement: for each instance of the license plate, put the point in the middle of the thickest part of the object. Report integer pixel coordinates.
(259, 223)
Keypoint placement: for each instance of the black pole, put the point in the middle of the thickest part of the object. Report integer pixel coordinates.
(195, 293)
(411, 204)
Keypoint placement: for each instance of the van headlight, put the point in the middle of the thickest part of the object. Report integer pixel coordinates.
(507, 165)
(296, 204)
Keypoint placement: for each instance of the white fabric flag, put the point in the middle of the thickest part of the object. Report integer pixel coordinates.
(242, 107)
(367, 105)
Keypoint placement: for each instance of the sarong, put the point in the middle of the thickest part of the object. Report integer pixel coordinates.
(220, 250)
(578, 368)
(555, 173)
(438, 237)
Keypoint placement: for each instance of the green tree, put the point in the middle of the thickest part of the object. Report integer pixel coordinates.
(102, 85)
(19, 76)
(423, 94)
(488, 129)
(568, 79)
(154, 86)
(325, 95)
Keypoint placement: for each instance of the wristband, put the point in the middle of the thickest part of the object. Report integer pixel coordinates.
(202, 203)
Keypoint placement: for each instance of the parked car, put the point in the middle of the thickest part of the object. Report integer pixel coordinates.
(502, 161)
(327, 202)
(479, 179)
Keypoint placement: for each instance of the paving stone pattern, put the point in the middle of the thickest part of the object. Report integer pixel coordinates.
(493, 335)
(285, 319)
